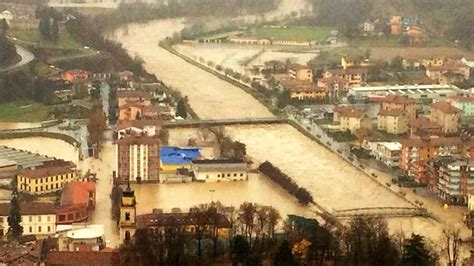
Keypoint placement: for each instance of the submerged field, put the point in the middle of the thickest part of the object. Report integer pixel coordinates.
(292, 33)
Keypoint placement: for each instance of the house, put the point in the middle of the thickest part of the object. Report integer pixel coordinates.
(138, 158)
(149, 128)
(73, 75)
(432, 62)
(416, 151)
(451, 178)
(47, 178)
(464, 103)
(354, 62)
(303, 90)
(219, 170)
(125, 76)
(137, 111)
(388, 153)
(174, 158)
(415, 35)
(81, 237)
(248, 40)
(158, 223)
(106, 257)
(424, 80)
(355, 77)
(422, 126)
(37, 218)
(412, 63)
(395, 25)
(7, 16)
(77, 199)
(335, 87)
(300, 72)
(403, 103)
(368, 27)
(393, 121)
(452, 70)
(132, 96)
(445, 115)
(351, 118)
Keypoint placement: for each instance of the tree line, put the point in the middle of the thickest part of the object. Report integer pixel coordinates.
(7, 48)
(277, 176)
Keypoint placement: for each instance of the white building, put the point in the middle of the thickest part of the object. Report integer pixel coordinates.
(86, 236)
(219, 170)
(149, 128)
(37, 218)
(387, 152)
(434, 91)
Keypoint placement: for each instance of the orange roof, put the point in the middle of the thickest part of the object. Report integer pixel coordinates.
(433, 142)
(445, 107)
(76, 193)
(135, 140)
(46, 171)
(425, 123)
(347, 111)
(463, 99)
(128, 93)
(394, 112)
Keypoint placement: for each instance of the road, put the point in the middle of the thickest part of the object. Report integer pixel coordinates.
(26, 57)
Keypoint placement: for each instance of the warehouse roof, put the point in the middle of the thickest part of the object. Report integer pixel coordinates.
(176, 155)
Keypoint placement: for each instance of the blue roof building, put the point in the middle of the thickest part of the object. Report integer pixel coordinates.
(176, 155)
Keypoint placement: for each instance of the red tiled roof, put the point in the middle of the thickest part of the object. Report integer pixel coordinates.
(398, 99)
(393, 112)
(29, 208)
(136, 140)
(463, 99)
(425, 123)
(128, 93)
(123, 124)
(82, 257)
(45, 171)
(445, 107)
(76, 193)
(425, 80)
(347, 111)
(434, 142)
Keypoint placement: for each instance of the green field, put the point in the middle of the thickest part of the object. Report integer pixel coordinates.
(23, 111)
(293, 33)
(32, 35)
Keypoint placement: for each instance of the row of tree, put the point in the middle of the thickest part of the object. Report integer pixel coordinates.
(48, 23)
(277, 176)
(7, 48)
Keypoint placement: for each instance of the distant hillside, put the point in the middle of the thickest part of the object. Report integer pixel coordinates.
(450, 18)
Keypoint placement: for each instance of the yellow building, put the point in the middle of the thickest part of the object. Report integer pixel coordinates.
(46, 179)
(392, 121)
(37, 218)
(350, 118)
(355, 77)
(128, 215)
(350, 62)
(397, 102)
(445, 115)
(300, 72)
(432, 62)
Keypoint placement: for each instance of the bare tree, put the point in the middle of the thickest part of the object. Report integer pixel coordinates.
(452, 241)
(247, 219)
(273, 219)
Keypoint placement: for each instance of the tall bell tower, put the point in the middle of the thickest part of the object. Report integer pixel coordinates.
(128, 215)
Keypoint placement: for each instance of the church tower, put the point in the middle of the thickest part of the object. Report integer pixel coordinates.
(127, 215)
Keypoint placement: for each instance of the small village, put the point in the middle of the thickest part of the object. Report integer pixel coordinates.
(289, 138)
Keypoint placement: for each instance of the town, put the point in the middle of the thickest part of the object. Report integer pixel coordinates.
(236, 132)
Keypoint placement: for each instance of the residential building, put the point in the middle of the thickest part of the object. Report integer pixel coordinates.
(417, 92)
(128, 215)
(464, 103)
(432, 62)
(452, 179)
(351, 118)
(452, 70)
(148, 128)
(303, 90)
(416, 151)
(393, 121)
(131, 96)
(81, 237)
(73, 75)
(156, 223)
(395, 25)
(445, 115)
(106, 257)
(37, 218)
(137, 111)
(403, 103)
(335, 87)
(77, 199)
(300, 72)
(138, 158)
(220, 170)
(174, 158)
(46, 179)
(415, 35)
(355, 77)
(354, 62)
(422, 126)
(388, 153)
(368, 27)
(125, 76)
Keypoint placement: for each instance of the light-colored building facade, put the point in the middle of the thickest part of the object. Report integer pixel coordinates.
(351, 118)
(388, 153)
(74, 237)
(392, 121)
(446, 115)
(128, 215)
(300, 72)
(464, 103)
(403, 103)
(37, 218)
(138, 158)
(46, 179)
(417, 92)
(355, 77)
(220, 170)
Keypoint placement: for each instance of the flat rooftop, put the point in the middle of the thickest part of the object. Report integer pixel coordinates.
(21, 158)
(434, 87)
